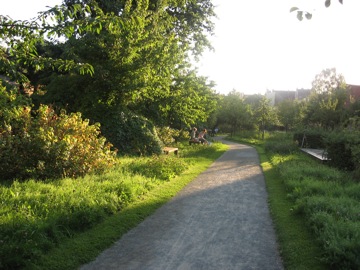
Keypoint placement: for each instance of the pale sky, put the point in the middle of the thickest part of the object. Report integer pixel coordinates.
(260, 45)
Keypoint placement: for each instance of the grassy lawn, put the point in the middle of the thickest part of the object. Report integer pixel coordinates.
(82, 223)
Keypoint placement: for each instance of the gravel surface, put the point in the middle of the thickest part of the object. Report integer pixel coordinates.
(219, 221)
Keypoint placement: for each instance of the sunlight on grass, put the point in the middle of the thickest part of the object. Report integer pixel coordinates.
(65, 223)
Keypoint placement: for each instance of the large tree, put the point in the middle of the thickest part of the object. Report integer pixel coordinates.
(115, 56)
(137, 62)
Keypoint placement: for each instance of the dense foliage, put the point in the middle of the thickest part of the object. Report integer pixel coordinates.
(123, 56)
(131, 133)
(43, 144)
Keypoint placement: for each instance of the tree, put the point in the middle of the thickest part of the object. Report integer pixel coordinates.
(326, 107)
(129, 54)
(234, 112)
(289, 113)
(137, 64)
(264, 115)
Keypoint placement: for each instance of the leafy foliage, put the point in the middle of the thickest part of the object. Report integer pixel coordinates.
(116, 55)
(289, 113)
(170, 136)
(131, 133)
(48, 145)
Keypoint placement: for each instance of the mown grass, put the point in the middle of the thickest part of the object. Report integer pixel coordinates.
(66, 223)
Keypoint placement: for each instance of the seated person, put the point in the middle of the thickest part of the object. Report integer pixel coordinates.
(201, 136)
(193, 135)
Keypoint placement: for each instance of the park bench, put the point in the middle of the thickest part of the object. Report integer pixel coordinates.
(320, 154)
(192, 141)
(317, 153)
(168, 150)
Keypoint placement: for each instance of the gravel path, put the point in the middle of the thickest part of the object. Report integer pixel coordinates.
(219, 221)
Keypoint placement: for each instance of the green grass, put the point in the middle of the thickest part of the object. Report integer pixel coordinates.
(296, 242)
(78, 246)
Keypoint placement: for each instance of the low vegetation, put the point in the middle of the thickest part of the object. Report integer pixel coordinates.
(40, 217)
(323, 198)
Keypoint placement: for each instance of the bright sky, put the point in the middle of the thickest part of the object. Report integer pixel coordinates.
(260, 45)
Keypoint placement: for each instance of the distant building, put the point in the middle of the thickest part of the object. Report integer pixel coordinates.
(302, 94)
(277, 96)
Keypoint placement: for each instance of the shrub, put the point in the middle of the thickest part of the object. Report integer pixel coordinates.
(310, 138)
(166, 135)
(338, 152)
(169, 135)
(131, 133)
(48, 145)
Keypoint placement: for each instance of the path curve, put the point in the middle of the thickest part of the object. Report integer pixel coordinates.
(220, 220)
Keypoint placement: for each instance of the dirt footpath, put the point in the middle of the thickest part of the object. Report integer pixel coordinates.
(219, 221)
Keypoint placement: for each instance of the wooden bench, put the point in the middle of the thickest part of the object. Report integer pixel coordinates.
(192, 141)
(317, 153)
(168, 150)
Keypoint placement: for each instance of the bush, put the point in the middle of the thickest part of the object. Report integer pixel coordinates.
(310, 138)
(131, 133)
(42, 144)
(169, 135)
(338, 152)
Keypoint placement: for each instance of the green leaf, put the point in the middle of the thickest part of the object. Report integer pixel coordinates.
(294, 9)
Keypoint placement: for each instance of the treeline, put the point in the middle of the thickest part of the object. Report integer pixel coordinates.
(329, 118)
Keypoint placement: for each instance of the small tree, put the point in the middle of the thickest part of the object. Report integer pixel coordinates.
(326, 107)
(289, 113)
(234, 112)
(265, 115)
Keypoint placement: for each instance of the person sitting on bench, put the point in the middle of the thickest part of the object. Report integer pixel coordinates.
(193, 135)
(201, 136)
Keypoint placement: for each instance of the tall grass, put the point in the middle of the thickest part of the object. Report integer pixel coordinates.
(326, 199)
(40, 217)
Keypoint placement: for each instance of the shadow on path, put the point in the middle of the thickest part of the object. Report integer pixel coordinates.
(219, 221)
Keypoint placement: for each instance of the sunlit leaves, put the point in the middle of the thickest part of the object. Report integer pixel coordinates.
(19, 38)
